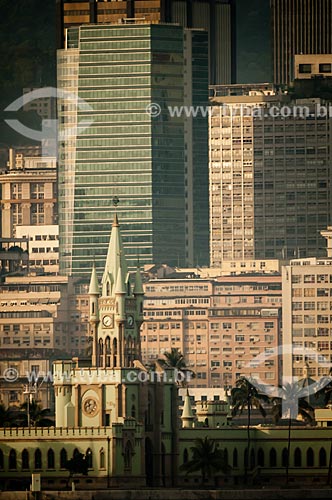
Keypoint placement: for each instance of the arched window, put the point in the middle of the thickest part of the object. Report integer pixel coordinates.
(1, 460)
(297, 458)
(108, 289)
(89, 458)
(133, 411)
(310, 457)
(63, 458)
(25, 459)
(260, 458)
(252, 459)
(273, 458)
(50, 459)
(185, 456)
(322, 458)
(38, 459)
(115, 353)
(245, 458)
(102, 459)
(284, 457)
(76, 453)
(128, 456)
(108, 352)
(226, 456)
(12, 459)
(92, 307)
(235, 458)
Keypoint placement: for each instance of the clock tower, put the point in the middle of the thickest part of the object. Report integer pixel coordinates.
(116, 311)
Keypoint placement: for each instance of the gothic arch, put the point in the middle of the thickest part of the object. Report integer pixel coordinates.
(322, 458)
(185, 456)
(38, 459)
(63, 458)
(273, 458)
(89, 458)
(108, 352)
(12, 463)
(50, 459)
(128, 456)
(284, 457)
(102, 459)
(297, 457)
(260, 457)
(25, 459)
(235, 458)
(115, 353)
(310, 457)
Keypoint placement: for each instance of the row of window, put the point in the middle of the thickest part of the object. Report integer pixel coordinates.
(273, 460)
(22, 461)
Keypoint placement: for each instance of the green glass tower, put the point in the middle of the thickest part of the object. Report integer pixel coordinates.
(109, 146)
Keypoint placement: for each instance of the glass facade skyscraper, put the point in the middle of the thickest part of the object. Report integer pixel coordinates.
(117, 71)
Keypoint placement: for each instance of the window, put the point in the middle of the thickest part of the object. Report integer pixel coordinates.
(25, 459)
(38, 459)
(322, 458)
(50, 459)
(310, 457)
(235, 458)
(297, 458)
(260, 458)
(88, 457)
(304, 68)
(12, 460)
(273, 457)
(1, 460)
(37, 213)
(102, 459)
(284, 457)
(63, 458)
(325, 68)
(36, 191)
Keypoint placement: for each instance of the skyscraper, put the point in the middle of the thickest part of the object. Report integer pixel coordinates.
(215, 16)
(119, 70)
(270, 177)
(299, 27)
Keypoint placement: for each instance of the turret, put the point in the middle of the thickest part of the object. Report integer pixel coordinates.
(139, 295)
(94, 312)
(120, 292)
(187, 416)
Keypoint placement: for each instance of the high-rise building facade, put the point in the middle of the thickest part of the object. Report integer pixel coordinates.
(299, 27)
(307, 320)
(225, 327)
(269, 177)
(126, 152)
(215, 16)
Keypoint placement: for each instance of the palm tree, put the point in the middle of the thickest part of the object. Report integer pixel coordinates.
(290, 404)
(9, 416)
(79, 464)
(35, 415)
(175, 359)
(206, 458)
(245, 395)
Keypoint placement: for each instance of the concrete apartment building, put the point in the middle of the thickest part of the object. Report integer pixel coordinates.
(269, 175)
(307, 319)
(28, 192)
(225, 327)
(42, 318)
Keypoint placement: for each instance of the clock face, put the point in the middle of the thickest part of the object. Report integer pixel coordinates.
(108, 321)
(90, 406)
(130, 321)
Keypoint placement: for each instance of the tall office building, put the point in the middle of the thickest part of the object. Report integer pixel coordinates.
(270, 176)
(215, 16)
(299, 27)
(144, 160)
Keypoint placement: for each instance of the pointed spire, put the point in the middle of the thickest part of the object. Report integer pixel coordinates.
(120, 286)
(94, 285)
(187, 416)
(138, 286)
(115, 257)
